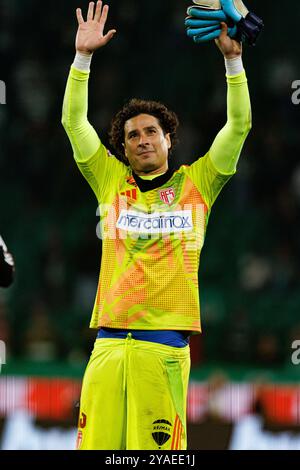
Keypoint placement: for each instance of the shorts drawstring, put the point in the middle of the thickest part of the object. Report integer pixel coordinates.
(128, 341)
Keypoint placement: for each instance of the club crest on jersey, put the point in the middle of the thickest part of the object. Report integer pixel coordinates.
(167, 195)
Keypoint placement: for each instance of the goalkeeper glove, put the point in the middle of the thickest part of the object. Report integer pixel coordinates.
(203, 22)
(248, 24)
(204, 25)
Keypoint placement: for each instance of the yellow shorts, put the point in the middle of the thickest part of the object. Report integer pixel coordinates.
(134, 396)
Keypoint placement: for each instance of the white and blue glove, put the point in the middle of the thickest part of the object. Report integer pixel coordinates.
(205, 24)
(204, 18)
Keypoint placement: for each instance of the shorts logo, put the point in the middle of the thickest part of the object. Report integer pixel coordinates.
(82, 421)
(161, 431)
(167, 195)
(157, 222)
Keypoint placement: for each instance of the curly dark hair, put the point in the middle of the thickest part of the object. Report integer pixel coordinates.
(168, 121)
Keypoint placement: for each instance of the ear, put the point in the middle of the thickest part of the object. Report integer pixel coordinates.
(168, 138)
(125, 151)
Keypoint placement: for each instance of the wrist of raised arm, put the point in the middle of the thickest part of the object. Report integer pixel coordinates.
(82, 61)
(234, 66)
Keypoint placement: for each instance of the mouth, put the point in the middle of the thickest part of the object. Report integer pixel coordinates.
(145, 152)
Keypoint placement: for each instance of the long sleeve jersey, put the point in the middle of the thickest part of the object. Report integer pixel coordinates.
(152, 233)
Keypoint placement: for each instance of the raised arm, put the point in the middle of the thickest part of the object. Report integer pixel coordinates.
(227, 146)
(83, 137)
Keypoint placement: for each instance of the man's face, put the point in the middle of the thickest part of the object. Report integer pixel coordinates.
(146, 146)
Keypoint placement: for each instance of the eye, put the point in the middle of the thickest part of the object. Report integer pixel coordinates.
(132, 135)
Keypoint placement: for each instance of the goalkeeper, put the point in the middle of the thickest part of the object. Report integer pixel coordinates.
(153, 222)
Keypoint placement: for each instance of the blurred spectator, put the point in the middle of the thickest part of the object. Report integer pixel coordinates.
(5, 328)
(7, 265)
(53, 269)
(41, 342)
(87, 267)
(267, 350)
(238, 338)
(255, 272)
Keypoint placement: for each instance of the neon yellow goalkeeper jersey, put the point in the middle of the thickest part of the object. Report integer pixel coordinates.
(152, 241)
(152, 232)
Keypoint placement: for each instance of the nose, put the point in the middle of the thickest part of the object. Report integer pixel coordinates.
(143, 140)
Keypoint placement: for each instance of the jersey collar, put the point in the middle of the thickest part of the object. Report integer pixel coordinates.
(148, 185)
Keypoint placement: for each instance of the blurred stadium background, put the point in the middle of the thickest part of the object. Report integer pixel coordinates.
(244, 390)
